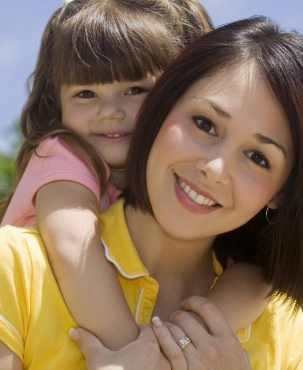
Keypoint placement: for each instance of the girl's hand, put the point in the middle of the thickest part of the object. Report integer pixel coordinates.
(143, 353)
(214, 348)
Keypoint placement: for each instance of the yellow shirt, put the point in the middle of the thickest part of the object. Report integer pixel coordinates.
(274, 341)
(34, 320)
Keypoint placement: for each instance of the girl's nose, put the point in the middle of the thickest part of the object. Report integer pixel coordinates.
(111, 109)
(215, 169)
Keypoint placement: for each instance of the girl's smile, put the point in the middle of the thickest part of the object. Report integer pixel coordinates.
(221, 155)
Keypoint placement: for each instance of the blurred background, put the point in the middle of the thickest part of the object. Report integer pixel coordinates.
(21, 26)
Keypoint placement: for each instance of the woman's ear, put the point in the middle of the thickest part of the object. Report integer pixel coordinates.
(274, 203)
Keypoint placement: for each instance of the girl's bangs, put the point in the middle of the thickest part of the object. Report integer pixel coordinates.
(99, 49)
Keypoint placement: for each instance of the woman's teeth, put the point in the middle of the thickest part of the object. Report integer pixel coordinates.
(198, 198)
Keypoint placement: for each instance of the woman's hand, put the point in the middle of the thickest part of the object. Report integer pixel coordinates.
(214, 348)
(144, 353)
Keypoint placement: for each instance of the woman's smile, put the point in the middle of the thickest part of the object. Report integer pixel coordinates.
(192, 200)
(196, 197)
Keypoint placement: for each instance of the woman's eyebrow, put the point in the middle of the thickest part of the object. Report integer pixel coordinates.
(219, 110)
(266, 140)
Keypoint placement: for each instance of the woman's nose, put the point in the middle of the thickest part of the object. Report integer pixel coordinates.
(215, 169)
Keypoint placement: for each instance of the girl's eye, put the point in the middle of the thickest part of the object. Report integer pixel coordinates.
(87, 94)
(259, 159)
(136, 90)
(205, 125)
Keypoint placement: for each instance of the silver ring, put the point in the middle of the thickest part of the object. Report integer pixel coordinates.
(183, 342)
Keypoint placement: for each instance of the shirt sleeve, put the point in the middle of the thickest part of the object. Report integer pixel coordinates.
(54, 161)
(15, 292)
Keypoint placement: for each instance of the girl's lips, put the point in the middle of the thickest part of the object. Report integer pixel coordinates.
(114, 138)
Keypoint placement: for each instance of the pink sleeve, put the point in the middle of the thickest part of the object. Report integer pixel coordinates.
(54, 162)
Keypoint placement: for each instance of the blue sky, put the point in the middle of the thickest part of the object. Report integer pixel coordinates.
(22, 23)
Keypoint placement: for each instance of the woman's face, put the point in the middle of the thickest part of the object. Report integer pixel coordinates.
(222, 154)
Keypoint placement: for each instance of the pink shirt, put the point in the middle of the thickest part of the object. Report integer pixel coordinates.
(56, 162)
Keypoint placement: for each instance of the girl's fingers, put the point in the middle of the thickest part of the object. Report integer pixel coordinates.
(169, 343)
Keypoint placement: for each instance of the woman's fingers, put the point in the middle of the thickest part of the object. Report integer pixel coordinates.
(216, 347)
(87, 342)
(169, 344)
(190, 327)
(93, 350)
(212, 317)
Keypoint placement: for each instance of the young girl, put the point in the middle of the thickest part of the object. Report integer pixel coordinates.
(98, 60)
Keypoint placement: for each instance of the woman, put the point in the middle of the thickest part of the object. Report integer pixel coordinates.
(218, 140)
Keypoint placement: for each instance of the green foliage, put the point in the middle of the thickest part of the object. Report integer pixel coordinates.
(7, 178)
(7, 161)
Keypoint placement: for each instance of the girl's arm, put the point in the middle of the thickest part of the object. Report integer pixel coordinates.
(8, 359)
(144, 353)
(240, 294)
(67, 217)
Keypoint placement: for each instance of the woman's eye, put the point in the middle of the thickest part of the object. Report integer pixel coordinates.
(86, 94)
(205, 125)
(259, 159)
(136, 90)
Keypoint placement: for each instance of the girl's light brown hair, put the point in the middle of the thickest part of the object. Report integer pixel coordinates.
(100, 41)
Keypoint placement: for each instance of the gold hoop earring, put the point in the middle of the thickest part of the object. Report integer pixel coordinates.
(267, 218)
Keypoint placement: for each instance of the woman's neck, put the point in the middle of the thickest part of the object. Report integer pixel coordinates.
(182, 268)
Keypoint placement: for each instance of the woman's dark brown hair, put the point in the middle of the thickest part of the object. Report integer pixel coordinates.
(278, 247)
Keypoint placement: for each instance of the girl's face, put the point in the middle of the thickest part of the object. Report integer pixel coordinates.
(104, 114)
(222, 154)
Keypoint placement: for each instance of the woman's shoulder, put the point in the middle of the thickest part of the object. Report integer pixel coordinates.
(275, 338)
(21, 248)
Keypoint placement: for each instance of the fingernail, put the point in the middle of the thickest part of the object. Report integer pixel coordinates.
(183, 303)
(74, 334)
(156, 321)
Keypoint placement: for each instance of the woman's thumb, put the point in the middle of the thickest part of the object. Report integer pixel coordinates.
(87, 342)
